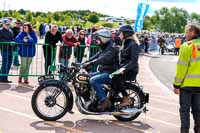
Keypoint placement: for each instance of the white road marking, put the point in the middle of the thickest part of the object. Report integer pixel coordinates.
(162, 101)
(164, 111)
(164, 97)
(17, 96)
(19, 113)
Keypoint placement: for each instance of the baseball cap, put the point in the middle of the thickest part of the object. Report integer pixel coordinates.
(6, 21)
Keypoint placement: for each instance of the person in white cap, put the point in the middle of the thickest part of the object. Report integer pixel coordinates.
(6, 36)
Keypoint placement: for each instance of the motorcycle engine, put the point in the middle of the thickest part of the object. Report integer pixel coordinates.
(82, 85)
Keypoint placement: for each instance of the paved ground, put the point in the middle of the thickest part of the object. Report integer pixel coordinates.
(16, 115)
(164, 68)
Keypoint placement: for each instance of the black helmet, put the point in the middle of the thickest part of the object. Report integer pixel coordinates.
(126, 28)
(103, 34)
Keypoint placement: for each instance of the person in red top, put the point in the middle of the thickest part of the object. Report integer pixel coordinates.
(65, 50)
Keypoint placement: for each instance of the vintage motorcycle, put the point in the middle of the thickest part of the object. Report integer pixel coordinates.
(54, 98)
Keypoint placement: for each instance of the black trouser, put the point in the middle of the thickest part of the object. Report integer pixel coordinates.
(146, 48)
(49, 56)
(6, 63)
(176, 51)
(117, 85)
(189, 99)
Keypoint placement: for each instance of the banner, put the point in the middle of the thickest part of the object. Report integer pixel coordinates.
(141, 12)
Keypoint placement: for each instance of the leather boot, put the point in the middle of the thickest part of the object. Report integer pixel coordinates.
(125, 101)
(184, 130)
(20, 80)
(26, 81)
(106, 104)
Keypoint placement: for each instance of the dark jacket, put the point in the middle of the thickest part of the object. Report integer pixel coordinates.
(107, 59)
(6, 36)
(16, 31)
(26, 49)
(129, 59)
(53, 39)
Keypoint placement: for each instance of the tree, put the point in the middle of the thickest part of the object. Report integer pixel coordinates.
(167, 20)
(22, 11)
(148, 23)
(106, 24)
(194, 17)
(29, 16)
(93, 18)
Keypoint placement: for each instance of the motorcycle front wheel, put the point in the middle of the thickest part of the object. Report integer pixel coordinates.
(50, 103)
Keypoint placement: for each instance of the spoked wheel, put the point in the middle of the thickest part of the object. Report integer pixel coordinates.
(135, 102)
(50, 103)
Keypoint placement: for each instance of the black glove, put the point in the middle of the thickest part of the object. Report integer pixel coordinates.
(87, 64)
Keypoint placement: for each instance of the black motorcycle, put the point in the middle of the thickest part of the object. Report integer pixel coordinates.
(54, 98)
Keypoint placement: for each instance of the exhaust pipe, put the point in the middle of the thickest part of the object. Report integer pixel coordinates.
(129, 111)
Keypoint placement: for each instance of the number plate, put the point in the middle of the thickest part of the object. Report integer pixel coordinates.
(45, 77)
(147, 97)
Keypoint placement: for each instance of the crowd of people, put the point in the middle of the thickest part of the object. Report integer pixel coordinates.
(21, 39)
(118, 49)
(20, 34)
(76, 38)
(159, 40)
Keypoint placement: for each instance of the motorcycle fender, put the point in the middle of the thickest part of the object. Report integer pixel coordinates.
(145, 97)
(61, 84)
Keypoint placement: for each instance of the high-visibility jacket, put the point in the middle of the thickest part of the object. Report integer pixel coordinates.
(178, 43)
(188, 65)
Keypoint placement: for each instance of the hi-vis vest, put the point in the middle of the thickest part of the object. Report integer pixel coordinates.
(188, 65)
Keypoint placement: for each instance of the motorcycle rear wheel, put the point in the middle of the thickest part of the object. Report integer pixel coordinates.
(135, 95)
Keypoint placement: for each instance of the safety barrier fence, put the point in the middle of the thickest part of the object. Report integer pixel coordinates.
(13, 53)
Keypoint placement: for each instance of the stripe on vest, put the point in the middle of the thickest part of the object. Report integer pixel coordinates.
(178, 80)
(193, 76)
(182, 63)
(195, 59)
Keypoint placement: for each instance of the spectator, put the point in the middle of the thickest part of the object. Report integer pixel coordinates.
(161, 43)
(116, 39)
(187, 79)
(6, 36)
(177, 45)
(49, 49)
(146, 44)
(69, 42)
(16, 31)
(26, 50)
(80, 49)
(42, 31)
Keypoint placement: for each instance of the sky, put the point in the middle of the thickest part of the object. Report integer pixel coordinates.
(117, 8)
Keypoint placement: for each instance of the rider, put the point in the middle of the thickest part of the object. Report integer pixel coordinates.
(107, 61)
(128, 58)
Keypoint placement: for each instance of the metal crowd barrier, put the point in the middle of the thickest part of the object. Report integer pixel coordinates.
(10, 50)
